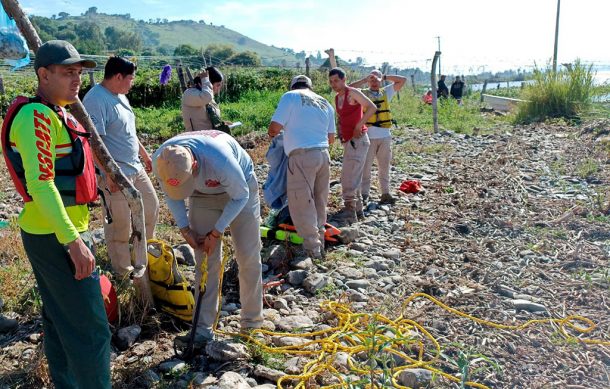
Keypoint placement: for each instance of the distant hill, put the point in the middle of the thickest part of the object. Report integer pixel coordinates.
(155, 36)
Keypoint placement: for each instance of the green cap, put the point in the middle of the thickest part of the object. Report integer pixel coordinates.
(57, 52)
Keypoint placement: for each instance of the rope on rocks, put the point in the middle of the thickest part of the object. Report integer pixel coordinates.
(361, 334)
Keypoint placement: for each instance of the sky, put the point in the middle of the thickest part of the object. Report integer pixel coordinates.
(475, 35)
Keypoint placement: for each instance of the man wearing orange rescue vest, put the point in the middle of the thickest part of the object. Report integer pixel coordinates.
(48, 156)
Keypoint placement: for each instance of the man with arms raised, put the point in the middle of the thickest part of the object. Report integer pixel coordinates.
(308, 121)
(379, 131)
(48, 156)
(349, 103)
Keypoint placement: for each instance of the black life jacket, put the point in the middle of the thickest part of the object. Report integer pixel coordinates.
(74, 173)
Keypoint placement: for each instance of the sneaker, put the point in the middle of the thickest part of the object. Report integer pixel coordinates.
(387, 199)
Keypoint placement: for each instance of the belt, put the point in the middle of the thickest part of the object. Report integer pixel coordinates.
(301, 151)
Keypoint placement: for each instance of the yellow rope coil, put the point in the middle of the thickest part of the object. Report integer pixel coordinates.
(353, 335)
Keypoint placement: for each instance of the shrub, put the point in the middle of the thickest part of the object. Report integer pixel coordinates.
(564, 94)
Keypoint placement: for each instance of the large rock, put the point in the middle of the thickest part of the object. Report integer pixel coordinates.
(7, 325)
(232, 380)
(358, 284)
(268, 373)
(305, 263)
(290, 323)
(224, 351)
(185, 255)
(296, 277)
(127, 336)
(315, 282)
(172, 366)
(348, 235)
(415, 378)
(392, 254)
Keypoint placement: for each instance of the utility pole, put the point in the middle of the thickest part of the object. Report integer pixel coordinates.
(439, 59)
(556, 38)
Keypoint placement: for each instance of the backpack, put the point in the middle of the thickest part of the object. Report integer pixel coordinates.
(169, 288)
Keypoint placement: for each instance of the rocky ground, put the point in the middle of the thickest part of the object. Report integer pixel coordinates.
(511, 226)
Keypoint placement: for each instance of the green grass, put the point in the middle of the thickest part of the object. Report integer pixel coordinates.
(565, 94)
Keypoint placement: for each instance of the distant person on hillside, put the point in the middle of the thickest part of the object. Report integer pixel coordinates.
(199, 110)
(116, 123)
(349, 103)
(457, 89)
(379, 126)
(308, 121)
(442, 90)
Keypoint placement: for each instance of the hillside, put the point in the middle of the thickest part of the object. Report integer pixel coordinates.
(156, 36)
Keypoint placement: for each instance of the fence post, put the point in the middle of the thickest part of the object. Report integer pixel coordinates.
(413, 83)
(91, 79)
(190, 76)
(483, 90)
(397, 93)
(1, 85)
(307, 66)
(181, 76)
(332, 61)
(434, 97)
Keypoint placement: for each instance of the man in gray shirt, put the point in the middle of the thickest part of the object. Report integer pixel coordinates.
(115, 122)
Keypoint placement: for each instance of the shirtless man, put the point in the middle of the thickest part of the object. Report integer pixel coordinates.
(353, 109)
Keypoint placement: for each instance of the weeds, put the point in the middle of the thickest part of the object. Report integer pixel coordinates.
(564, 94)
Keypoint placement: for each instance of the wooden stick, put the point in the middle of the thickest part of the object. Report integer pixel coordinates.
(134, 199)
(434, 92)
(331, 57)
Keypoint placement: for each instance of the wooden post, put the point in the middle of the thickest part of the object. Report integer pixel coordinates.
(189, 76)
(181, 76)
(483, 90)
(134, 199)
(413, 83)
(397, 93)
(1, 85)
(434, 97)
(91, 79)
(307, 66)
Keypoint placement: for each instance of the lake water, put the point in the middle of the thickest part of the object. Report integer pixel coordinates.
(601, 77)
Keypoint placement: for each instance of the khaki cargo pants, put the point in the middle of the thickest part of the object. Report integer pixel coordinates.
(118, 232)
(308, 186)
(380, 149)
(354, 156)
(204, 212)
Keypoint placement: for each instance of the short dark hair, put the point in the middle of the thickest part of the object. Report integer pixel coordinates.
(214, 74)
(118, 65)
(337, 72)
(300, 85)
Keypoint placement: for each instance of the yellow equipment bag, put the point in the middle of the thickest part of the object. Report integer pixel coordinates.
(170, 290)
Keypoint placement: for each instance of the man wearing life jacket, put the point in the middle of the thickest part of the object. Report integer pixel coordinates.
(308, 121)
(50, 162)
(115, 121)
(216, 175)
(349, 104)
(379, 127)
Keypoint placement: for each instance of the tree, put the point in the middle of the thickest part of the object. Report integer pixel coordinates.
(120, 39)
(185, 50)
(90, 38)
(301, 55)
(63, 15)
(219, 53)
(91, 11)
(245, 58)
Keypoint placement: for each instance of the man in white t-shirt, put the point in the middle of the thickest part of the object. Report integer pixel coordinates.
(308, 121)
(379, 131)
